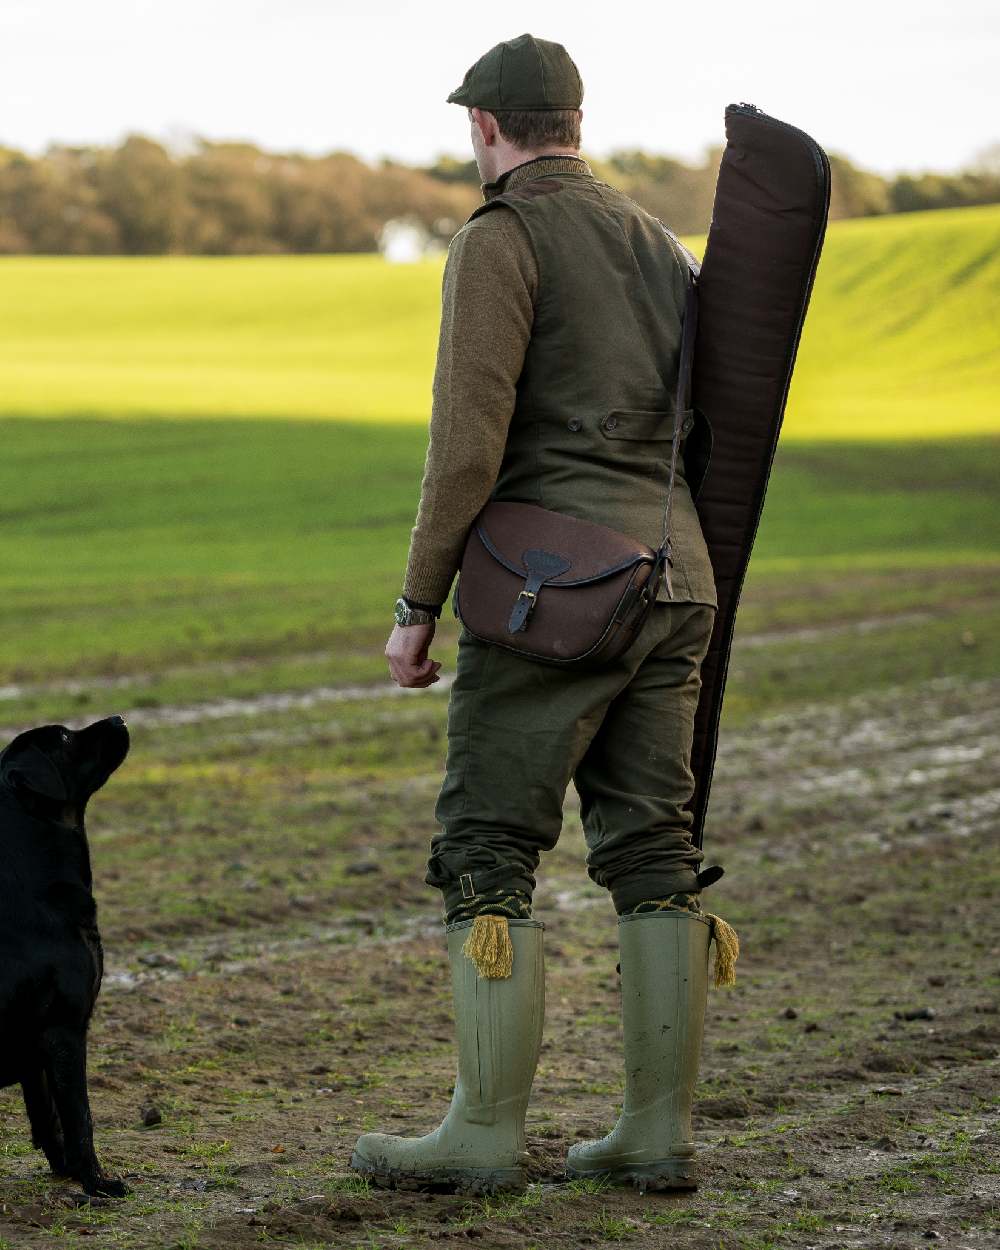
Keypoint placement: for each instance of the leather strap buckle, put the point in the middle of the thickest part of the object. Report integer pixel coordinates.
(468, 889)
(541, 566)
(523, 605)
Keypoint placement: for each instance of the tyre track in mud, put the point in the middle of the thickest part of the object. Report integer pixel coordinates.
(188, 713)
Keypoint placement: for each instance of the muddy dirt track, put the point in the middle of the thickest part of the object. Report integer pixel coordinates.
(849, 1083)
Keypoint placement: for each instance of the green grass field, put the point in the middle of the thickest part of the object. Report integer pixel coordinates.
(139, 536)
(901, 339)
(132, 545)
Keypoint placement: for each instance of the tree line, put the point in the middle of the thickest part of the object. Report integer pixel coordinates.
(222, 198)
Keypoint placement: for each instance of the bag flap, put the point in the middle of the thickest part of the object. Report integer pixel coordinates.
(508, 530)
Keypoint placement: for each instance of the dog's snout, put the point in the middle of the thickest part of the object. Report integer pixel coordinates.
(116, 719)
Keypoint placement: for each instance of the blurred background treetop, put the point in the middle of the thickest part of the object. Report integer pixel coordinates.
(220, 198)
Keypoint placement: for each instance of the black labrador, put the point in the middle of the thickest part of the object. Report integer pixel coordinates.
(51, 960)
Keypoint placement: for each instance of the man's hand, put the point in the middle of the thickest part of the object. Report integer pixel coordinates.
(406, 652)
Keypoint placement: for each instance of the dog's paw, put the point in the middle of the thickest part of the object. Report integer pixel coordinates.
(105, 1187)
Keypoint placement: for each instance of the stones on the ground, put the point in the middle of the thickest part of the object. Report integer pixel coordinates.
(937, 979)
(790, 1013)
(916, 1013)
(150, 1115)
(810, 1026)
(887, 1090)
(364, 869)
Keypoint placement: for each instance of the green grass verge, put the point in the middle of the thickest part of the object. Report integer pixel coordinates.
(133, 546)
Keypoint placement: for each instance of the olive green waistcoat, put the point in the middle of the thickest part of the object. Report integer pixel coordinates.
(593, 419)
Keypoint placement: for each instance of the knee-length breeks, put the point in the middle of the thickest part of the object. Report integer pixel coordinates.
(518, 731)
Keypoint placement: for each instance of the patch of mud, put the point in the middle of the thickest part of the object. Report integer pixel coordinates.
(289, 701)
(847, 1089)
(226, 668)
(816, 633)
(259, 705)
(920, 762)
(208, 956)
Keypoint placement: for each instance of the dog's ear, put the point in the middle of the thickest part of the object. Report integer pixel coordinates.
(31, 767)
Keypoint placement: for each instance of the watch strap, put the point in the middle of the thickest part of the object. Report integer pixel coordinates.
(433, 608)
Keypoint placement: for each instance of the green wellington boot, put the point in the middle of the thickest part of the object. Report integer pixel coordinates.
(480, 1146)
(664, 978)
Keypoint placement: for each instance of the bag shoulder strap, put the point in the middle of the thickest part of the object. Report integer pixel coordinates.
(681, 407)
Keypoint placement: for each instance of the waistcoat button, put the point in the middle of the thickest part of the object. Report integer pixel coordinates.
(611, 423)
(574, 424)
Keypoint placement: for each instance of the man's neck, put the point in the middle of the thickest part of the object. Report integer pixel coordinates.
(515, 174)
(509, 162)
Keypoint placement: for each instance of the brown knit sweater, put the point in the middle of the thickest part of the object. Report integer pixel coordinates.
(487, 310)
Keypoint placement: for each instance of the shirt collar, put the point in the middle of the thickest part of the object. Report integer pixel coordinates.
(537, 167)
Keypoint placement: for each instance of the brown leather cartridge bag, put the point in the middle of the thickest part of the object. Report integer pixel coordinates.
(560, 590)
(552, 587)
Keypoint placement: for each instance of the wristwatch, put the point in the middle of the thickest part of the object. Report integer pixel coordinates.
(410, 613)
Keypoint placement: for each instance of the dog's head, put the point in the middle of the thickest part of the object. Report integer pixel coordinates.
(54, 770)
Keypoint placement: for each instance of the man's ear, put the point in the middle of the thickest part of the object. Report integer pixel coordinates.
(487, 124)
(32, 768)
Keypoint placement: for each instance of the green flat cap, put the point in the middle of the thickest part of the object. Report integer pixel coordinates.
(522, 73)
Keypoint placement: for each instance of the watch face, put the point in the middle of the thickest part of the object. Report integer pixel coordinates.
(400, 612)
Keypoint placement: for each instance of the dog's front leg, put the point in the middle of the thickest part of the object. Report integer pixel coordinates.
(46, 1130)
(65, 1054)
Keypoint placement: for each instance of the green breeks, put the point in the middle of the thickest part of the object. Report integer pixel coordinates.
(520, 731)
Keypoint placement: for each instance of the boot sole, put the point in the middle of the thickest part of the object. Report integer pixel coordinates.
(667, 1174)
(471, 1181)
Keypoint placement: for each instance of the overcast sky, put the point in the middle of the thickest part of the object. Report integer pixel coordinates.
(894, 86)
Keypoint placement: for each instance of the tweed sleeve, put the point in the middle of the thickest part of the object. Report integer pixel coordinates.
(487, 310)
